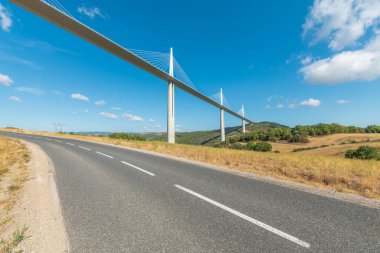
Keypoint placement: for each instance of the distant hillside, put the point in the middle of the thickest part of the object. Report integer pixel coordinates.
(213, 136)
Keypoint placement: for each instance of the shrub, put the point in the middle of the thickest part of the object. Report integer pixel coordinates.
(363, 153)
(125, 136)
(261, 146)
(237, 145)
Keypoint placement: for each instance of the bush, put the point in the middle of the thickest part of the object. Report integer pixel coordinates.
(125, 136)
(363, 153)
(373, 129)
(261, 146)
(237, 145)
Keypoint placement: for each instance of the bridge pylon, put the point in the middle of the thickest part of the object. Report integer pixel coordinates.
(222, 130)
(243, 121)
(171, 86)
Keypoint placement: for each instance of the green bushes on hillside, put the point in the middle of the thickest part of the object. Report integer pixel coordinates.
(261, 146)
(373, 129)
(126, 136)
(300, 134)
(363, 153)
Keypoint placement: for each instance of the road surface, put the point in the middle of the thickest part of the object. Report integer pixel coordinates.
(118, 200)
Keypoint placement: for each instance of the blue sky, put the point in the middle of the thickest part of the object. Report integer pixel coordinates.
(291, 62)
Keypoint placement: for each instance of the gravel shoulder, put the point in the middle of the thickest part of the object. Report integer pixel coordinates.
(39, 208)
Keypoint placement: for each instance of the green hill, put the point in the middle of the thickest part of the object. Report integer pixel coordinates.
(212, 136)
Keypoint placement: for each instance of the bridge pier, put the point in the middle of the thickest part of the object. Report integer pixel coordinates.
(171, 86)
(222, 130)
(243, 121)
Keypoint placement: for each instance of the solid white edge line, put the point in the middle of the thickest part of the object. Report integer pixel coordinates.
(245, 217)
(104, 155)
(83, 148)
(137, 168)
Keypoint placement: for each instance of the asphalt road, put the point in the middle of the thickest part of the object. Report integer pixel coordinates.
(118, 200)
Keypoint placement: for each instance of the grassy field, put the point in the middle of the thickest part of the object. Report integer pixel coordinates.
(344, 175)
(329, 145)
(13, 173)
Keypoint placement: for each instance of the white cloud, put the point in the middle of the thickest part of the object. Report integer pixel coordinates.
(151, 120)
(345, 23)
(311, 102)
(109, 115)
(79, 97)
(342, 22)
(158, 126)
(100, 102)
(15, 99)
(342, 102)
(292, 106)
(132, 117)
(34, 91)
(5, 80)
(280, 106)
(363, 64)
(115, 108)
(90, 12)
(5, 19)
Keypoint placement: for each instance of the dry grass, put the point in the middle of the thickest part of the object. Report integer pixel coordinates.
(336, 144)
(13, 173)
(353, 176)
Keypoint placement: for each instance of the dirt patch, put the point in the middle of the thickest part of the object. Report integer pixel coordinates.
(38, 208)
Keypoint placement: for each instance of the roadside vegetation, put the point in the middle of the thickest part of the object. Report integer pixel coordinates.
(14, 157)
(126, 136)
(363, 153)
(361, 177)
(300, 134)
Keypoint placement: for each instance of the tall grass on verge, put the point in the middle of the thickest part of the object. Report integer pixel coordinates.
(14, 156)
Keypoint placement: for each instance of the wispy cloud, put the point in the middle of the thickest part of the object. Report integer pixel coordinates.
(100, 102)
(5, 80)
(342, 102)
(132, 117)
(5, 19)
(91, 12)
(311, 102)
(82, 111)
(152, 120)
(15, 99)
(58, 93)
(18, 60)
(34, 91)
(280, 106)
(78, 96)
(109, 115)
(43, 46)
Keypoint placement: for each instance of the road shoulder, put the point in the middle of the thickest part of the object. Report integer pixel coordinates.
(39, 207)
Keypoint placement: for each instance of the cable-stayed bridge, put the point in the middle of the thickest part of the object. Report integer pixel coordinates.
(154, 63)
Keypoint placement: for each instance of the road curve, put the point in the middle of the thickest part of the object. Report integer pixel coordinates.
(118, 200)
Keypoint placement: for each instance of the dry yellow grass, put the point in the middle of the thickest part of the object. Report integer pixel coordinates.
(353, 176)
(337, 144)
(13, 173)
